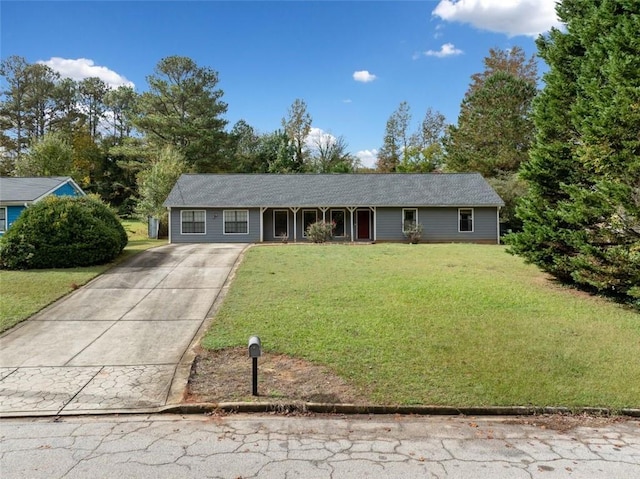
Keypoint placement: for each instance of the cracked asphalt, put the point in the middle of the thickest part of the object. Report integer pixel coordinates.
(322, 447)
(120, 343)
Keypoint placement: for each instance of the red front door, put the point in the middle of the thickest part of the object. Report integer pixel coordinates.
(363, 219)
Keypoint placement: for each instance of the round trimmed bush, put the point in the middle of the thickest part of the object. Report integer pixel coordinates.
(63, 232)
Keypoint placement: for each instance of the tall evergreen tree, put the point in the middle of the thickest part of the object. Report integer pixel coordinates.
(183, 108)
(581, 218)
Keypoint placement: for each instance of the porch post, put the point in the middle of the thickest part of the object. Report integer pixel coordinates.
(375, 223)
(324, 213)
(295, 223)
(262, 211)
(351, 210)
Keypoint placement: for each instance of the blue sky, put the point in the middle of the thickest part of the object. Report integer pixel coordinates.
(351, 62)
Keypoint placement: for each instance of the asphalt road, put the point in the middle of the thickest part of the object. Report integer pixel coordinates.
(320, 447)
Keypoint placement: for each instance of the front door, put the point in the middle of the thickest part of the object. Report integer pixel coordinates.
(364, 220)
(281, 224)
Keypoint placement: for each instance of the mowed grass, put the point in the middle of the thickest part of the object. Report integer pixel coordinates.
(460, 325)
(24, 293)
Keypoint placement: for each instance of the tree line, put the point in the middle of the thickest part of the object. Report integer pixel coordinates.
(129, 147)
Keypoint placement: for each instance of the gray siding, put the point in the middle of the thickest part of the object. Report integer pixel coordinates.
(440, 225)
(213, 228)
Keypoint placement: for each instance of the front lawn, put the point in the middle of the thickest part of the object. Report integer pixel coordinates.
(24, 293)
(461, 325)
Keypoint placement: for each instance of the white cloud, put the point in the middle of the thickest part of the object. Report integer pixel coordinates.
(368, 158)
(446, 50)
(318, 135)
(81, 68)
(512, 17)
(363, 76)
(347, 100)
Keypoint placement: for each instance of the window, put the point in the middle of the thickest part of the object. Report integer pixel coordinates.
(308, 218)
(281, 224)
(235, 222)
(409, 218)
(465, 217)
(192, 221)
(3, 220)
(337, 218)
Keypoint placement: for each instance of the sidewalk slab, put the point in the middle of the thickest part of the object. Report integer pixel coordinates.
(124, 387)
(44, 389)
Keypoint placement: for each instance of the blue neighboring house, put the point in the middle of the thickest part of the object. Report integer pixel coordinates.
(18, 193)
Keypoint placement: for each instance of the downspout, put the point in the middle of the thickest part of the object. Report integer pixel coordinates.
(498, 223)
(169, 225)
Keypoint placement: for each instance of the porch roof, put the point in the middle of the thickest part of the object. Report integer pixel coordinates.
(332, 190)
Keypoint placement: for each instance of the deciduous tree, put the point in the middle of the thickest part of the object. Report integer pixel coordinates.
(396, 139)
(425, 152)
(52, 155)
(494, 129)
(297, 125)
(331, 155)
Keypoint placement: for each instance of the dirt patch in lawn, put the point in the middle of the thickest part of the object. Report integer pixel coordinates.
(225, 375)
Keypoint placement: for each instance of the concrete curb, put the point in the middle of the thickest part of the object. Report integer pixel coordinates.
(306, 407)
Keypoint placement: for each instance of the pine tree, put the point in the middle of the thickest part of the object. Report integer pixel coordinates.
(581, 218)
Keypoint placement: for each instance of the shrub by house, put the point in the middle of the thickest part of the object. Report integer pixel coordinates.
(63, 232)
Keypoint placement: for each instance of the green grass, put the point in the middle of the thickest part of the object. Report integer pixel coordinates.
(461, 325)
(24, 293)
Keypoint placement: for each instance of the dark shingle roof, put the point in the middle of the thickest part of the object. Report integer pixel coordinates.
(276, 190)
(27, 189)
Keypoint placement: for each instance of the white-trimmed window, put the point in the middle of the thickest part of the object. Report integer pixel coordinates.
(3, 219)
(338, 219)
(236, 222)
(192, 222)
(465, 220)
(308, 218)
(280, 223)
(409, 218)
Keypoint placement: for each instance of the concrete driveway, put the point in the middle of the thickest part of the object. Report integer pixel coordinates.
(120, 343)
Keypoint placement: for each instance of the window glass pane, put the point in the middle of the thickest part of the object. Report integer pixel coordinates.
(236, 221)
(193, 221)
(466, 220)
(409, 219)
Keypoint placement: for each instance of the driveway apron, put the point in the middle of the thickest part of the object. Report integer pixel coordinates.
(115, 344)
